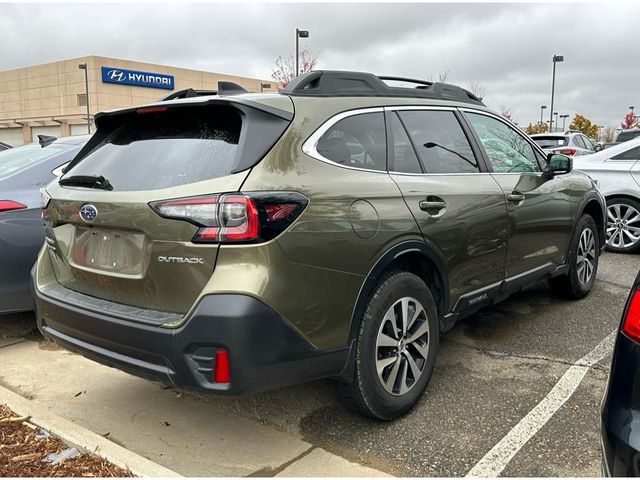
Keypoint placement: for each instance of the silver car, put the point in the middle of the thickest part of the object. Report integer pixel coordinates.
(567, 143)
(23, 170)
(617, 170)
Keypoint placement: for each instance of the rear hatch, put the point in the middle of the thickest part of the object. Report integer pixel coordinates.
(106, 237)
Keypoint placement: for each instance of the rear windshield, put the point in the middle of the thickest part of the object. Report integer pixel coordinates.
(625, 136)
(162, 149)
(20, 158)
(551, 142)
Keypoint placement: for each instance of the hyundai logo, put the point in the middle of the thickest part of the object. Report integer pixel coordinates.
(88, 213)
(116, 75)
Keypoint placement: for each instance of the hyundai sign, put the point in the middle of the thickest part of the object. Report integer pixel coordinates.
(137, 78)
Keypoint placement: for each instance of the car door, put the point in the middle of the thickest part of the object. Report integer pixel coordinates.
(459, 207)
(539, 206)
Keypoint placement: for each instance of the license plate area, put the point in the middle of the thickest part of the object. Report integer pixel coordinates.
(110, 252)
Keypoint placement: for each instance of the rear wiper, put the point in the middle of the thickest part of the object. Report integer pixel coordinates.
(89, 181)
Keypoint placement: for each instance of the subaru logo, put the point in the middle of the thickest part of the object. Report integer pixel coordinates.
(116, 75)
(88, 213)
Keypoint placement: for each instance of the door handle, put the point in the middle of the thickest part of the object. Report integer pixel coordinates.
(515, 197)
(431, 205)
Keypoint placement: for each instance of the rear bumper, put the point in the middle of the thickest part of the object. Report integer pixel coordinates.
(264, 351)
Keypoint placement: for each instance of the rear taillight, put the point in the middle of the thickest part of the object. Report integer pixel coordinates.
(565, 151)
(8, 205)
(235, 218)
(631, 321)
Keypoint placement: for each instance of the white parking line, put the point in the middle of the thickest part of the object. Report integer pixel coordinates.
(495, 461)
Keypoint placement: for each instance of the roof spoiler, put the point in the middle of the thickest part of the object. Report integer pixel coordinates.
(224, 88)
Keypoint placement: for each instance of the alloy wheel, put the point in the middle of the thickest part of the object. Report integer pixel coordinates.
(623, 226)
(585, 260)
(402, 346)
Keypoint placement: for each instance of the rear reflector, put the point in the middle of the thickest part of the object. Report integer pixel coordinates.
(8, 205)
(221, 372)
(631, 322)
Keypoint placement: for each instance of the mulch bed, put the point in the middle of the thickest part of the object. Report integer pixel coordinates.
(24, 448)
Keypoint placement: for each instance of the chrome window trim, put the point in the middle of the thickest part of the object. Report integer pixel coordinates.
(418, 107)
(500, 118)
(310, 144)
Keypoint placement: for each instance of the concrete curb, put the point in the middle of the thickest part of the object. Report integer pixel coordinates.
(83, 438)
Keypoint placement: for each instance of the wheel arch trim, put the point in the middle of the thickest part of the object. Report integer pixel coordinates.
(381, 264)
(590, 197)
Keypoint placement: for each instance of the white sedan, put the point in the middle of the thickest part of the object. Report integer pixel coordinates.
(617, 170)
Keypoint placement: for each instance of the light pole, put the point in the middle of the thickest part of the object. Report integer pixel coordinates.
(299, 34)
(556, 58)
(555, 114)
(563, 117)
(542, 107)
(83, 66)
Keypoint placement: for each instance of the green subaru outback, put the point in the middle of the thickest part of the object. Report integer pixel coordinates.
(240, 242)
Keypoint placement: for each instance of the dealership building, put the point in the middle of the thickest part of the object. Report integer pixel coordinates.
(51, 99)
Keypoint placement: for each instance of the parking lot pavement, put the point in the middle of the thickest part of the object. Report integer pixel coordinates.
(492, 370)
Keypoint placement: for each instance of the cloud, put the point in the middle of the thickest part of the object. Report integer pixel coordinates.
(507, 47)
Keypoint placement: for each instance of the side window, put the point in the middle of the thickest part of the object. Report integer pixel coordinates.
(632, 154)
(356, 141)
(581, 141)
(587, 141)
(403, 157)
(507, 150)
(440, 141)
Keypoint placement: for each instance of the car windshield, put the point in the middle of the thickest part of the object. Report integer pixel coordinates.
(19, 158)
(551, 141)
(625, 136)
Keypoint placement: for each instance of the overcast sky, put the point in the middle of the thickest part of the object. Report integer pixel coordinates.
(506, 47)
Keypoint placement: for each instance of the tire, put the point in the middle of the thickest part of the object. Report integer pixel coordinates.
(577, 282)
(623, 225)
(378, 343)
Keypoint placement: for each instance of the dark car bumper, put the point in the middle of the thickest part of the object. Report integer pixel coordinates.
(621, 412)
(264, 351)
(21, 236)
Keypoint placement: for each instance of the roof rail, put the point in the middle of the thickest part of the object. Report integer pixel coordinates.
(224, 88)
(334, 83)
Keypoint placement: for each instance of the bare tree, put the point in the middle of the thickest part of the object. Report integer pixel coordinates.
(442, 76)
(608, 134)
(478, 89)
(285, 68)
(507, 113)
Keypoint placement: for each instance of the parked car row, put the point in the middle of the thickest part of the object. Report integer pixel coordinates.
(568, 143)
(23, 171)
(617, 170)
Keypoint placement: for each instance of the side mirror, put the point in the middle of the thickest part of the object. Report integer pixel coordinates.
(559, 164)
(597, 148)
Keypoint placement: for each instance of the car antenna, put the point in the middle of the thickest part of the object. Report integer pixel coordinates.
(46, 140)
